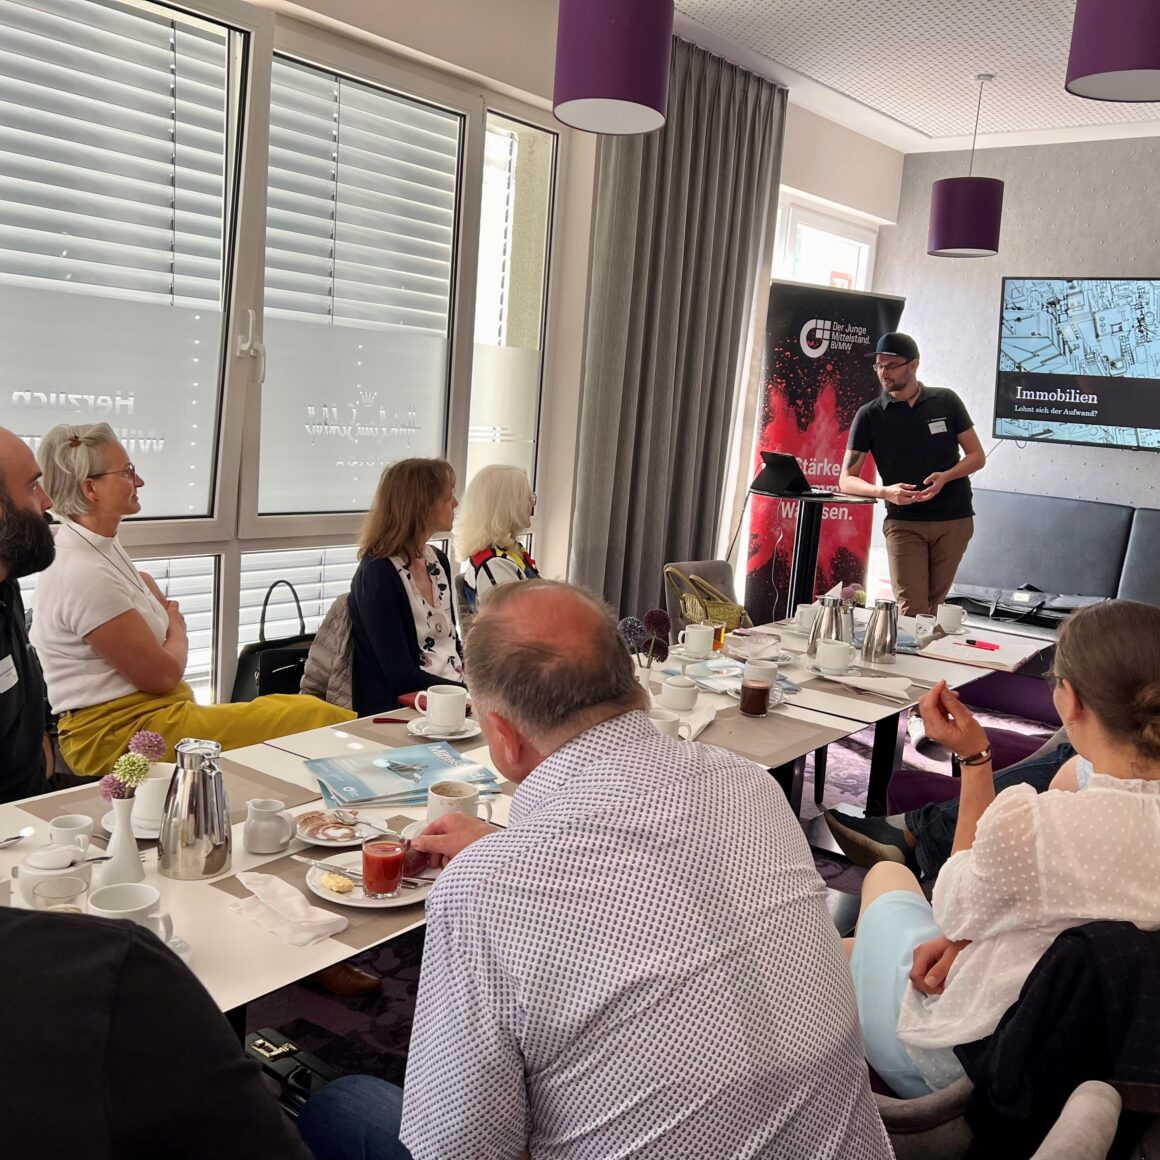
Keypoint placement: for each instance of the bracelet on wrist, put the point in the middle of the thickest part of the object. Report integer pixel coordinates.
(983, 757)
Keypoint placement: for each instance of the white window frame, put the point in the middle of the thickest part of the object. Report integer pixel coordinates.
(794, 210)
(235, 526)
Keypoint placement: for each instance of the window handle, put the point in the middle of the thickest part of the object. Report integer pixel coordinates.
(253, 346)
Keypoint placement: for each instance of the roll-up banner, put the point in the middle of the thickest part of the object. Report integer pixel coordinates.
(816, 375)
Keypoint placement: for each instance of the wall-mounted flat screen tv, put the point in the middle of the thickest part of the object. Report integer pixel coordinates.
(1079, 361)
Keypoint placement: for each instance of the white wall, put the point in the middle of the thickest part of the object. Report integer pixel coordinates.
(827, 161)
(1085, 209)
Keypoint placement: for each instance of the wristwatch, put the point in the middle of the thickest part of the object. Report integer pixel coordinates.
(980, 758)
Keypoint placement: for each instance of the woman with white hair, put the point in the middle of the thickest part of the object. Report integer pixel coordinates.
(497, 506)
(112, 647)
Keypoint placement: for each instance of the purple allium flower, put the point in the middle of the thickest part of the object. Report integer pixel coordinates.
(111, 789)
(150, 745)
(632, 632)
(657, 623)
(656, 648)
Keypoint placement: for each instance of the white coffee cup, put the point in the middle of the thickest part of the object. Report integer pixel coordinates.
(667, 722)
(950, 617)
(696, 639)
(835, 656)
(136, 901)
(444, 706)
(149, 796)
(805, 616)
(454, 797)
(760, 669)
(679, 693)
(71, 830)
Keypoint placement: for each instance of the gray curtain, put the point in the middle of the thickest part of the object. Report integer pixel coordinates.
(679, 221)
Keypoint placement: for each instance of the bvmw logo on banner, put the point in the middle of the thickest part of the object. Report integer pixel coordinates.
(815, 377)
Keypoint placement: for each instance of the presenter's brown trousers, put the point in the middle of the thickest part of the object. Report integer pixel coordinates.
(924, 557)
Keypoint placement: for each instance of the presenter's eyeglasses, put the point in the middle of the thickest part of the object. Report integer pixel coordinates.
(894, 366)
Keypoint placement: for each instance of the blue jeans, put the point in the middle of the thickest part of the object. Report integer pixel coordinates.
(356, 1117)
(933, 826)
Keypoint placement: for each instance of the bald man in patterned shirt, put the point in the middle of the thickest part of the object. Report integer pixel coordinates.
(642, 963)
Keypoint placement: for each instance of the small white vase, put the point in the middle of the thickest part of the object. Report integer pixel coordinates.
(644, 676)
(124, 864)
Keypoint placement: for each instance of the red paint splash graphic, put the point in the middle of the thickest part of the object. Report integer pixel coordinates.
(815, 430)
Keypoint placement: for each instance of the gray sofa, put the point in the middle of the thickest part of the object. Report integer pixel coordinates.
(1075, 547)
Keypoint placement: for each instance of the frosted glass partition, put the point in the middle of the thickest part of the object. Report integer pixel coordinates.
(515, 231)
(149, 370)
(348, 401)
(505, 393)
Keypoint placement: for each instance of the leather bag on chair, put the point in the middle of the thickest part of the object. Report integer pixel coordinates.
(273, 666)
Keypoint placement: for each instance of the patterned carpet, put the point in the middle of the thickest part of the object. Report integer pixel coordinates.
(370, 1035)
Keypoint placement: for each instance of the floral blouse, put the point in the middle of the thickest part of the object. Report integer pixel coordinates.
(440, 651)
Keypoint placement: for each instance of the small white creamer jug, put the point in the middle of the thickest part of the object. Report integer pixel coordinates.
(268, 827)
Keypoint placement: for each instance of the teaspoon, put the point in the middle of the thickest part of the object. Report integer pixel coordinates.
(26, 832)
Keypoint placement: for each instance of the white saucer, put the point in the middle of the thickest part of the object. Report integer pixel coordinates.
(421, 727)
(412, 831)
(816, 669)
(181, 949)
(681, 656)
(144, 833)
(357, 897)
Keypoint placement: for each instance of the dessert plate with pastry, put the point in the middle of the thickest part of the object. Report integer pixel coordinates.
(325, 828)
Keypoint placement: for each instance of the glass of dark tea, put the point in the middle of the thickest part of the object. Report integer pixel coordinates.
(755, 697)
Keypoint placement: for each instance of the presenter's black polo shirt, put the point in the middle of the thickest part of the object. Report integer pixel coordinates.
(908, 443)
(22, 703)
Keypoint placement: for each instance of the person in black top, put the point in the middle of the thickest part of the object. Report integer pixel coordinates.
(403, 630)
(924, 446)
(26, 546)
(116, 1051)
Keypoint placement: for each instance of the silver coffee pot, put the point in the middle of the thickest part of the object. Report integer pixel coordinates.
(881, 641)
(829, 624)
(195, 825)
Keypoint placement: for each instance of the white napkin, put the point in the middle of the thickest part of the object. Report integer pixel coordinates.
(897, 688)
(277, 907)
(698, 720)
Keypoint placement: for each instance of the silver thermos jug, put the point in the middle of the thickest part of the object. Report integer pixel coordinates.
(195, 825)
(881, 640)
(827, 623)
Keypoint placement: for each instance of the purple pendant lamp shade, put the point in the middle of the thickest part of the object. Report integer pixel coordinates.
(965, 216)
(612, 64)
(1115, 50)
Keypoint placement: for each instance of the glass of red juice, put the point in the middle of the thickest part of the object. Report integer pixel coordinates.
(382, 865)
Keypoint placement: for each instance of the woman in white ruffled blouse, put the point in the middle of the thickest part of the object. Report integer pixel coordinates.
(1025, 866)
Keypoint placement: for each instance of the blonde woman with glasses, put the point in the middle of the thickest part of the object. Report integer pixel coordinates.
(112, 647)
(497, 508)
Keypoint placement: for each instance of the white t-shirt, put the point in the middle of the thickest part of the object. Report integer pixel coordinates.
(91, 581)
(1040, 863)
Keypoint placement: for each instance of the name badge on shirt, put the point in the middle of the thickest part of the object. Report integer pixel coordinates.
(937, 426)
(8, 674)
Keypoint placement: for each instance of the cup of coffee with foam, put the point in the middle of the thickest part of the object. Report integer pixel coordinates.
(455, 797)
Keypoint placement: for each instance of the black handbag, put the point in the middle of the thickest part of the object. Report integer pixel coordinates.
(273, 666)
(296, 1073)
(1023, 605)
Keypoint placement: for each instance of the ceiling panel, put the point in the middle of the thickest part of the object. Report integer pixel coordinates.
(915, 60)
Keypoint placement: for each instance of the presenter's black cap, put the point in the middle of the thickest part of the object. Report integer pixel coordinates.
(896, 343)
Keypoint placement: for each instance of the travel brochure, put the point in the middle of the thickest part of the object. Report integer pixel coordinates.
(396, 777)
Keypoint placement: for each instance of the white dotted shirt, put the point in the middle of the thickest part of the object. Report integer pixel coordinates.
(1041, 863)
(642, 964)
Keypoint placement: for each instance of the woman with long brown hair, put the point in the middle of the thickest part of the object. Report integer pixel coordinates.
(1025, 866)
(404, 635)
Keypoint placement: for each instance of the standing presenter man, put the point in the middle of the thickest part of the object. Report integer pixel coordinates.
(924, 446)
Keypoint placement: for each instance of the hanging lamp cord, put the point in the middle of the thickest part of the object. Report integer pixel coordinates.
(975, 135)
